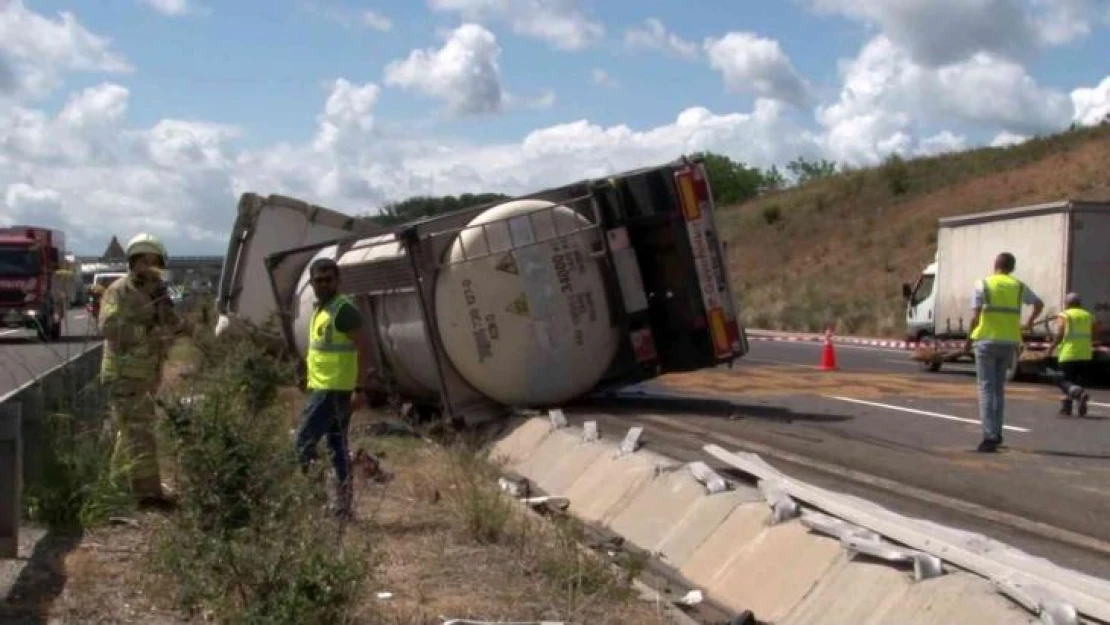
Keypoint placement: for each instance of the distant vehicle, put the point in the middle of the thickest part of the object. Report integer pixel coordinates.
(531, 302)
(36, 283)
(100, 282)
(1060, 247)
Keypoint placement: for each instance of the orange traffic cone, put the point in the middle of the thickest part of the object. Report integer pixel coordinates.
(828, 353)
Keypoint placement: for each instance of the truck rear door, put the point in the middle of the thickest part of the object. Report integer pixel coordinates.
(670, 266)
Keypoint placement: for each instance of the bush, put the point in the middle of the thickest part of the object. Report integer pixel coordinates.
(72, 486)
(252, 542)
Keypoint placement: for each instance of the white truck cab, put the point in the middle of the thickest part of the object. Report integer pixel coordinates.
(921, 300)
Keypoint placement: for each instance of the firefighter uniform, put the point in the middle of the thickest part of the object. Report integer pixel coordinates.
(138, 325)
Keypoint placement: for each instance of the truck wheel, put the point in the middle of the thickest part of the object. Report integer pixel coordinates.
(56, 330)
(931, 366)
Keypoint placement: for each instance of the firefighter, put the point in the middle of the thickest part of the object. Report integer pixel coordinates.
(138, 323)
(1074, 338)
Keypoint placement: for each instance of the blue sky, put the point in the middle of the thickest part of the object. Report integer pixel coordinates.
(245, 83)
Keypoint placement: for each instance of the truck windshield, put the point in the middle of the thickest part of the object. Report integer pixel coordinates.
(18, 262)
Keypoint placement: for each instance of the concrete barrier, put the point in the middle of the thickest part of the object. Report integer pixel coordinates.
(789, 552)
(23, 443)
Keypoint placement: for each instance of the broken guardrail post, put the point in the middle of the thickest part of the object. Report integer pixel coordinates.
(11, 477)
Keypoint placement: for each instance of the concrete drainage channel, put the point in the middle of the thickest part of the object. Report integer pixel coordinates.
(784, 551)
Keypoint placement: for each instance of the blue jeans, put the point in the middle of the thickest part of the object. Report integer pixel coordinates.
(991, 362)
(327, 414)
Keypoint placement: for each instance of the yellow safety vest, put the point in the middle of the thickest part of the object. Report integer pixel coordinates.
(1077, 336)
(332, 358)
(1000, 319)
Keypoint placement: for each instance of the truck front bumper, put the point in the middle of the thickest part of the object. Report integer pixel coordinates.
(20, 317)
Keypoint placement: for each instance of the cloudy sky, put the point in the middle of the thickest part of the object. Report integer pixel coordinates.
(118, 116)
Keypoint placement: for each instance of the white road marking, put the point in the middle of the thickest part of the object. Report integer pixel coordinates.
(925, 413)
(1098, 403)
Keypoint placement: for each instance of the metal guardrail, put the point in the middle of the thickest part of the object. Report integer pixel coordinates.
(22, 444)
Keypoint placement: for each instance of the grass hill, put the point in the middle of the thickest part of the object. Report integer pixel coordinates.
(836, 249)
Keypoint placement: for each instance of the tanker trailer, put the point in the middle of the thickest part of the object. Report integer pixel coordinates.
(535, 301)
(244, 301)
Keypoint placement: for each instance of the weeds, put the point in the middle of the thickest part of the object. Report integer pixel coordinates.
(252, 542)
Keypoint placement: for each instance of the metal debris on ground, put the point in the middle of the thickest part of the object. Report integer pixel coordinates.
(549, 502)
(631, 440)
(558, 418)
(692, 598)
(390, 428)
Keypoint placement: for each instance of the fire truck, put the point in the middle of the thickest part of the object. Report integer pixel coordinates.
(35, 282)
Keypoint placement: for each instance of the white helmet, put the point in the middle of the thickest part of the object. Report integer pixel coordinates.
(145, 243)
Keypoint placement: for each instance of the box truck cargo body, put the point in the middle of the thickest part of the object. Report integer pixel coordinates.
(1060, 247)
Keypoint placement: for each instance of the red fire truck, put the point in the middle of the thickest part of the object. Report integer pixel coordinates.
(35, 283)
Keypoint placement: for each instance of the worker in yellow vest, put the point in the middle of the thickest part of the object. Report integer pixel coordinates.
(139, 325)
(337, 365)
(1075, 340)
(996, 333)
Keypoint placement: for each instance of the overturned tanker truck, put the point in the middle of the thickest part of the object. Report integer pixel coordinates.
(526, 303)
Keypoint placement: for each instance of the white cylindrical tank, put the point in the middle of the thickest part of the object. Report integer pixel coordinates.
(527, 323)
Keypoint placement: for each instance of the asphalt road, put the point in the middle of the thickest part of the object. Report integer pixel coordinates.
(890, 432)
(23, 357)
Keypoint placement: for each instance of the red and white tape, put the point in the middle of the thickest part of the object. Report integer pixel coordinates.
(893, 344)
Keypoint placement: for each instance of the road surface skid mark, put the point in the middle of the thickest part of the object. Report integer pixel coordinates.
(765, 550)
(778, 380)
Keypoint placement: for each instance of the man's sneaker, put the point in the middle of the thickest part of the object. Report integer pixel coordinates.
(1065, 408)
(1083, 404)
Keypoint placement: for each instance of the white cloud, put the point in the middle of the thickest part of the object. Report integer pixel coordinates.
(1004, 139)
(653, 35)
(1092, 104)
(27, 204)
(349, 17)
(348, 114)
(464, 72)
(376, 21)
(560, 23)
(888, 97)
(602, 78)
(753, 64)
(173, 8)
(940, 32)
(36, 50)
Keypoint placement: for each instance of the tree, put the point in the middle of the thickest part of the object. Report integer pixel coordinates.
(732, 182)
(428, 206)
(805, 170)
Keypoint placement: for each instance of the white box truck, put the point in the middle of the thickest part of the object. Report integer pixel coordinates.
(1060, 247)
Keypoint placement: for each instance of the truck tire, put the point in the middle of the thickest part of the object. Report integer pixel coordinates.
(56, 330)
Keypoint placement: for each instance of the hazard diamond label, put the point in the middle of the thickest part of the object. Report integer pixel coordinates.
(518, 306)
(507, 264)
